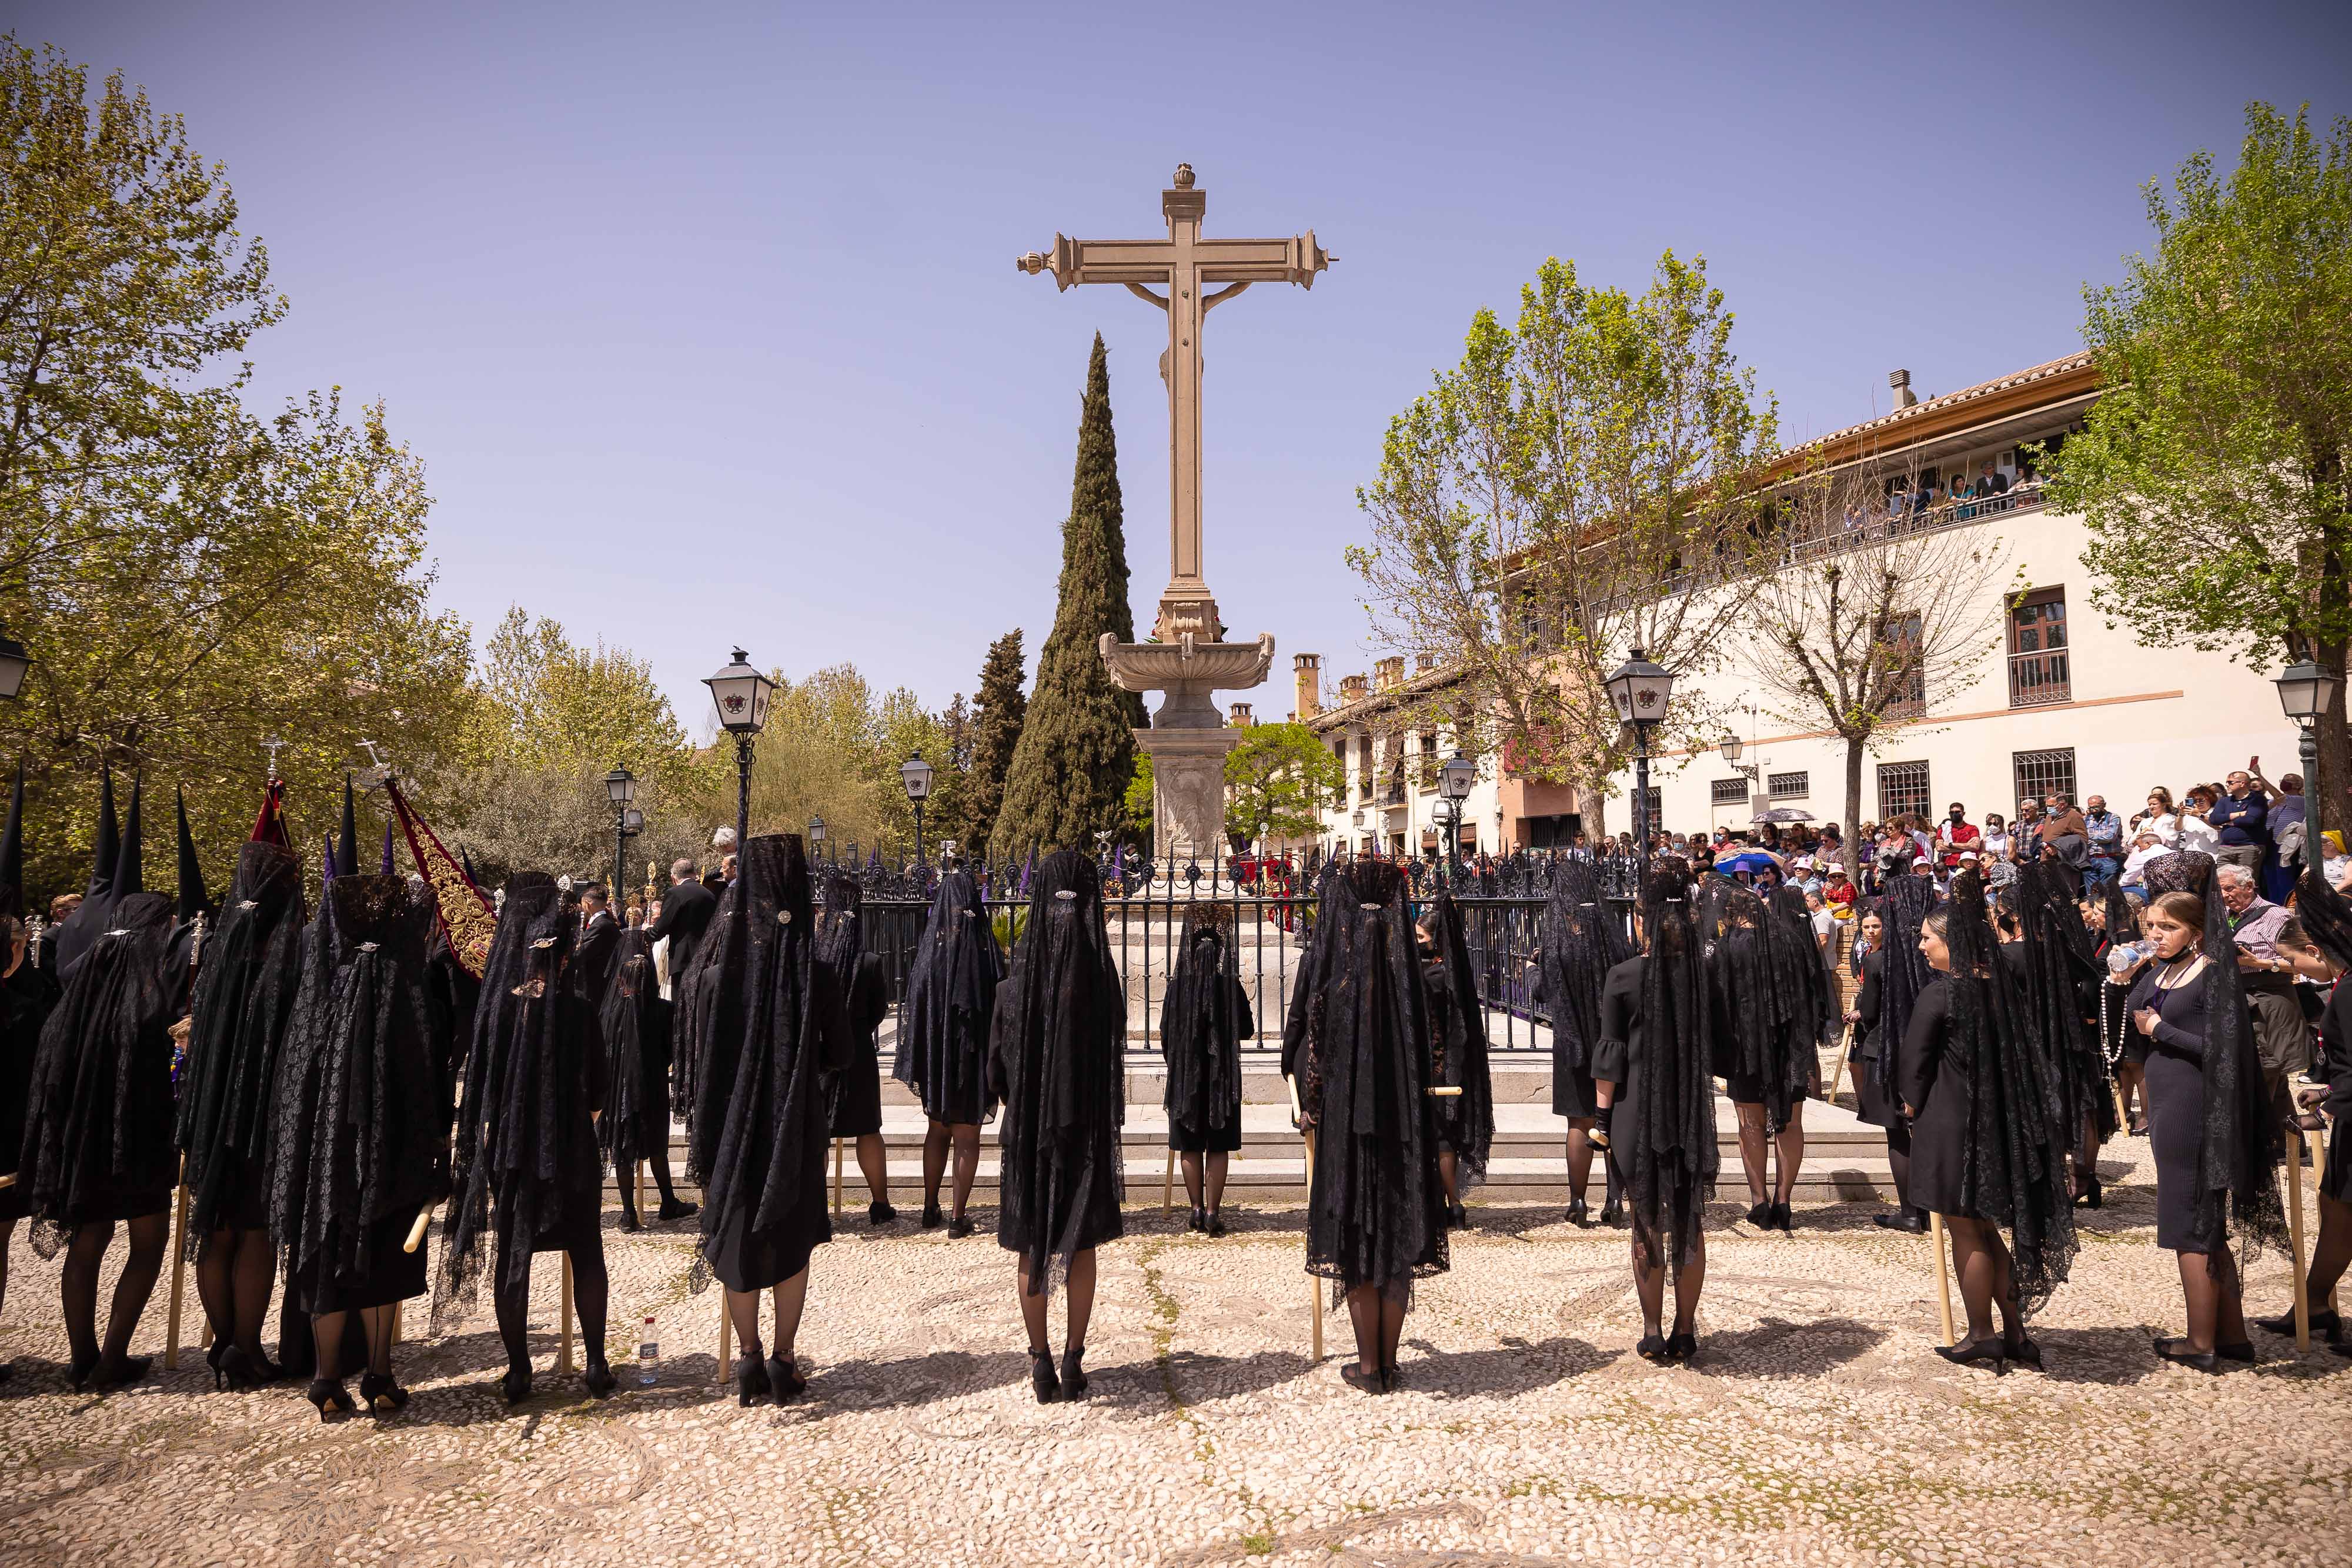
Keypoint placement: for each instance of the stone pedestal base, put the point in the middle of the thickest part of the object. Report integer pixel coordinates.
(1188, 789)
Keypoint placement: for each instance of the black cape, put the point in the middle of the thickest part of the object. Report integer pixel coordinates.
(1657, 1047)
(1464, 1123)
(943, 1038)
(1582, 940)
(636, 1020)
(1201, 1022)
(861, 994)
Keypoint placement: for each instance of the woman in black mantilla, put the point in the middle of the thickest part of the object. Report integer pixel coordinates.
(27, 992)
(526, 1166)
(2124, 1047)
(944, 1039)
(1988, 1144)
(1058, 1061)
(854, 1107)
(2063, 975)
(1201, 1022)
(2217, 1148)
(2326, 918)
(1355, 1050)
(97, 1149)
(757, 1140)
(359, 1128)
(1581, 942)
(1653, 1073)
(1904, 977)
(244, 1001)
(1753, 1023)
(1457, 1047)
(635, 1025)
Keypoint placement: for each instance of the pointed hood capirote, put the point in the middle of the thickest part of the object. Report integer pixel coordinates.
(242, 1006)
(347, 842)
(117, 878)
(194, 903)
(942, 1051)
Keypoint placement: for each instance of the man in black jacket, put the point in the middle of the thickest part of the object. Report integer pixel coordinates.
(686, 909)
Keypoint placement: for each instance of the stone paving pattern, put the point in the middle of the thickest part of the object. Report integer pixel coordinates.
(1818, 1427)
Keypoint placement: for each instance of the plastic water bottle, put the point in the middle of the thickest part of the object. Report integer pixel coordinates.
(648, 1356)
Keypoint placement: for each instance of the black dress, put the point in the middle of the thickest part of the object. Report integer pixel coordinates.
(1201, 1022)
(1872, 1103)
(943, 1038)
(1582, 941)
(26, 997)
(2335, 1069)
(1656, 1017)
(2175, 1100)
(636, 1026)
(854, 1094)
(1936, 1084)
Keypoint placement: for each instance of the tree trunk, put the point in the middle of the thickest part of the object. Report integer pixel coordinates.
(1854, 809)
(2328, 810)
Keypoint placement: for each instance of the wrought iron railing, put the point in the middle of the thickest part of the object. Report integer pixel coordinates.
(2038, 678)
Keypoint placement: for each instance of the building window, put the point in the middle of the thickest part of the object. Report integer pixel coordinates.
(1363, 770)
(2041, 774)
(1902, 790)
(1729, 791)
(1788, 785)
(1650, 803)
(1910, 694)
(2038, 655)
(1428, 772)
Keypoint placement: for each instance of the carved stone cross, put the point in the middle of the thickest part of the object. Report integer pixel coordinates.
(1187, 266)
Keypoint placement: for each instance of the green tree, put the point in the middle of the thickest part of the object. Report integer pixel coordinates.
(1077, 754)
(1138, 800)
(1003, 708)
(1279, 780)
(2211, 472)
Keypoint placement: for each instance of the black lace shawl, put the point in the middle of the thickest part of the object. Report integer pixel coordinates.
(2240, 1144)
(854, 978)
(1058, 1054)
(2326, 915)
(245, 993)
(1749, 1019)
(359, 1120)
(1358, 1043)
(1582, 940)
(97, 1113)
(1457, 1018)
(636, 1023)
(455, 990)
(1801, 1001)
(2013, 1166)
(1903, 912)
(1202, 1024)
(2063, 974)
(951, 1002)
(758, 1136)
(1676, 1160)
(525, 1153)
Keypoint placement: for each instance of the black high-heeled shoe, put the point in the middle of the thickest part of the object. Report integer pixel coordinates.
(1042, 1381)
(1906, 1222)
(515, 1385)
(751, 1380)
(879, 1213)
(628, 1224)
(237, 1371)
(598, 1379)
(2321, 1322)
(1612, 1213)
(129, 1371)
(930, 1217)
(1216, 1225)
(2023, 1350)
(1457, 1216)
(1651, 1348)
(1781, 1220)
(381, 1392)
(1197, 1219)
(77, 1373)
(1074, 1375)
(1363, 1382)
(1989, 1349)
(1578, 1214)
(959, 1227)
(331, 1398)
(215, 1353)
(1760, 1216)
(1682, 1348)
(678, 1208)
(2174, 1348)
(784, 1381)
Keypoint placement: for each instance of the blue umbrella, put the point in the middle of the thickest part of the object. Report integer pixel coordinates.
(1750, 860)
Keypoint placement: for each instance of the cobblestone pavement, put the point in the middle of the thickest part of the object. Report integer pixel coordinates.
(1817, 1426)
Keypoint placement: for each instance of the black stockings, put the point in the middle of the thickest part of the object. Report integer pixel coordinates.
(873, 1164)
(1898, 1161)
(331, 1330)
(965, 1137)
(78, 1287)
(1078, 1299)
(590, 1289)
(235, 1270)
(657, 1160)
(1650, 1285)
(1378, 1318)
(2209, 1282)
(1215, 1179)
(2329, 1255)
(743, 1312)
(1980, 1258)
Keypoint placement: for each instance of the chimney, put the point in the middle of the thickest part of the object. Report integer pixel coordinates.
(1354, 688)
(1425, 662)
(1240, 719)
(1389, 673)
(1308, 682)
(1901, 381)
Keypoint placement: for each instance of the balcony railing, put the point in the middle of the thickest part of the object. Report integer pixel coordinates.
(2038, 678)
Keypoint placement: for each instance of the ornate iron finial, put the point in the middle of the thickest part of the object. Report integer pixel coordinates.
(272, 746)
(1184, 176)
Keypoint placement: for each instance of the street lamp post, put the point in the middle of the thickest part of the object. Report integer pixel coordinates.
(1454, 782)
(1639, 689)
(14, 662)
(620, 789)
(2306, 691)
(740, 694)
(915, 775)
(816, 833)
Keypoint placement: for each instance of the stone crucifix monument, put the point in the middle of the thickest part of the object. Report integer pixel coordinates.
(1188, 658)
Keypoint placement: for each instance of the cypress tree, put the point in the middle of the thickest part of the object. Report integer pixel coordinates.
(996, 731)
(1076, 752)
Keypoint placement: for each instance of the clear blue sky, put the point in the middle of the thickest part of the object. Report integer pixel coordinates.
(705, 320)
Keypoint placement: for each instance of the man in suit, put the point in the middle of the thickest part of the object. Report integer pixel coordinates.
(686, 912)
(599, 946)
(722, 843)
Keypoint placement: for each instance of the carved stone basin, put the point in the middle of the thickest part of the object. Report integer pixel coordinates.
(1189, 672)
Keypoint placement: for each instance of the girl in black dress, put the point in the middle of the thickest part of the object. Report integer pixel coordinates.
(1874, 1102)
(359, 1127)
(244, 1001)
(943, 1044)
(1582, 941)
(854, 1106)
(1988, 1144)
(1654, 1076)
(2210, 1128)
(635, 1021)
(1058, 1062)
(1355, 1050)
(1458, 1045)
(1201, 1028)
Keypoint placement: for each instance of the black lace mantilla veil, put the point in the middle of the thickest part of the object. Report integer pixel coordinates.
(360, 1117)
(98, 1112)
(2013, 1168)
(1802, 981)
(2326, 919)
(1357, 1046)
(1202, 1021)
(1059, 1055)
(244, 1001)
(2063, 973)
(1903, 911)
(1750, 1020)
(942, 1051)
(1675, 1157)
(757, 1139)
(2239, 1146)
(522, 1139)
(1583, 940)
(636, 1026)
(1458, 1049)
